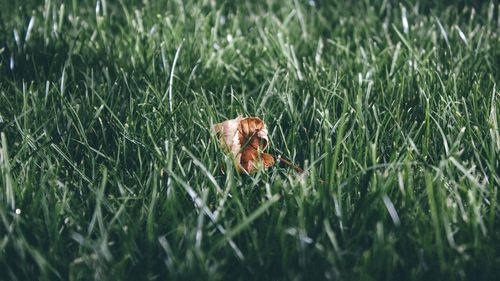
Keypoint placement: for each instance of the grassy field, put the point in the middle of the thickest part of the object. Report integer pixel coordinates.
(109, 169)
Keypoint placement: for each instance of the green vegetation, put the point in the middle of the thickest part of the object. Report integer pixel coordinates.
(109, 169)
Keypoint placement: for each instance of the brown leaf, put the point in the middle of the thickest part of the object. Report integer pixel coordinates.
(245, 139)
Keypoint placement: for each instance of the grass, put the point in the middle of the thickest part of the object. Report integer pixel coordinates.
(109, 169)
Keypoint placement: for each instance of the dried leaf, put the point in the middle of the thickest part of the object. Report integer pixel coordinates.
(245, 139)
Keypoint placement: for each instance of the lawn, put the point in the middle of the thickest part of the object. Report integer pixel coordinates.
(110, 168)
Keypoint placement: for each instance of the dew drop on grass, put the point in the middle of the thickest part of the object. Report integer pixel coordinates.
(222, 20)
(153, 30)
